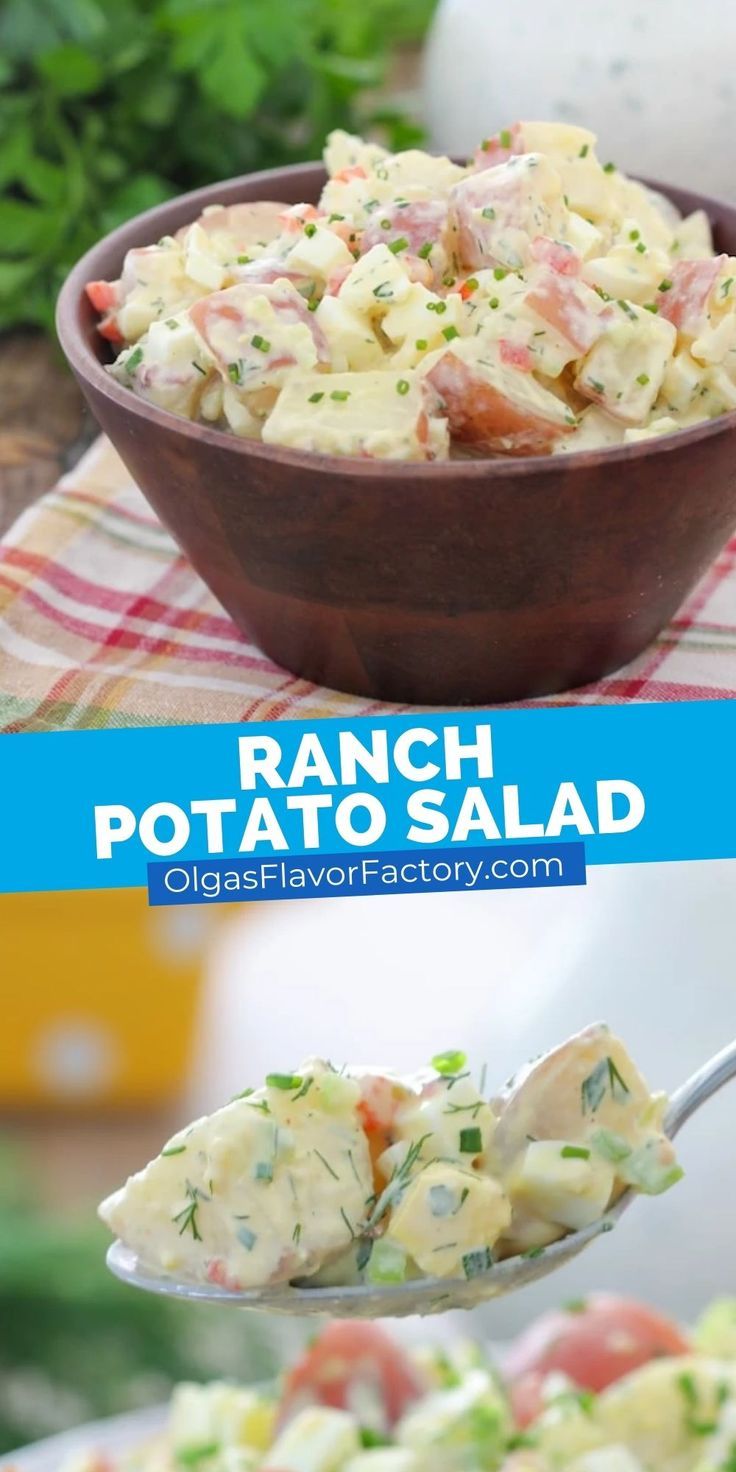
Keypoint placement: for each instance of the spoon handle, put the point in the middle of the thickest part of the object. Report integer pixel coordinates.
(699, 1087)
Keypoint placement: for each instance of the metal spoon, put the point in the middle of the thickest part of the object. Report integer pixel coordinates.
(429, 1295)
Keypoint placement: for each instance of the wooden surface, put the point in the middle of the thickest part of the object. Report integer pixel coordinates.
(44, 424)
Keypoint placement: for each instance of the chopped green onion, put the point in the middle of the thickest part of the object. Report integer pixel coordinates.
(403, 386)
(585, 150)
(310, 230)
(640, 246)
(651, 307)
(131, 362)
(421, 344)
(504, 138)
(475, 1263)
(199, 369)
(499, 273)
(450, 332)
(334, 216)
(494, 303)
(471, 283)
(471, 1141)
(425, 250)
(609, 168)
(453, 1061)
(383, 291)
(385, 224)
(340, 395)
(395, 246)
(261, 343)
(488, 213)
(234, 371)
(665, 285)
(315, 398)
(284, 1080)
(634, 234)
(574, 1152)
(247, 1238)
(387, 1263)
(172, 1150)
(264, 1170)
(643, 379)
(243, 260)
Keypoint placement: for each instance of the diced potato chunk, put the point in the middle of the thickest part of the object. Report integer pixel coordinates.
(624, 370)
(500, 211)
(491, 403)
(446, 1213)
(367, 414)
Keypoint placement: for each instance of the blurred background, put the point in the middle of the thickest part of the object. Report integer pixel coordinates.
(121, 1023)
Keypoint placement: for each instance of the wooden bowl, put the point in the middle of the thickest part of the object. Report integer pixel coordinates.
(470, 581)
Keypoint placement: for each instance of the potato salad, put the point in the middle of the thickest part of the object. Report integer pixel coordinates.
(618, 1388)
(356, 1175)
(533, 301)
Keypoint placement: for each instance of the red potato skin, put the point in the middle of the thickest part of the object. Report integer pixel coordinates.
(604, 1340)
(685, 302)
(345, 1355)
(480, 414)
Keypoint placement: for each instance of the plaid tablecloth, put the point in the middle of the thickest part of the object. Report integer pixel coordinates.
(103, 622)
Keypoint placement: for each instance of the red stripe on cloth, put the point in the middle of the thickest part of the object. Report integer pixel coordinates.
(111, 507)
(132, 605)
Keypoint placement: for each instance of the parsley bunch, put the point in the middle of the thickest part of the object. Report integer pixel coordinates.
(108, 107)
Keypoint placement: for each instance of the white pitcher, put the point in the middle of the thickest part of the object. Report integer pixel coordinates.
(655, 79)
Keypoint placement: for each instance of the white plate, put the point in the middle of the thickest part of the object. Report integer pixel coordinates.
(114, 1435)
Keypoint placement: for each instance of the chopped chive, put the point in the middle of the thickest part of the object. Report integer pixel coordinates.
(261, 343)
(131, 363)
(284, 1080)
(504, 138)
(310, 230)
(425, 250)
(450, 332)
(234, 372)
(395, 246)
(609, 168)
(296, 1234)
(383, 291)
(340, 395)
(421, 344)
(385, 224)
(533, 1252)
(315, 398)
(478, 1262)
(643, 379)
(499, 273)
(403, 386)
(247, 1238)
(243, 260)
(665, 285)
(574, 1152)
(172, 1150)
(172, 323)
(493, 303)
(264, 1170)
(471, 284)
(448, 279)
(488, 213)
(651, 307)
(634, 234)
(640, 246)
(333, 217)
(471, 1141)
(725, 289)
(203, 371)
(585, 150)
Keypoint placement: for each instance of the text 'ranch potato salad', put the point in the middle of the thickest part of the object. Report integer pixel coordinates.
(356, 1175)
(618, 1388)
(533, 301)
